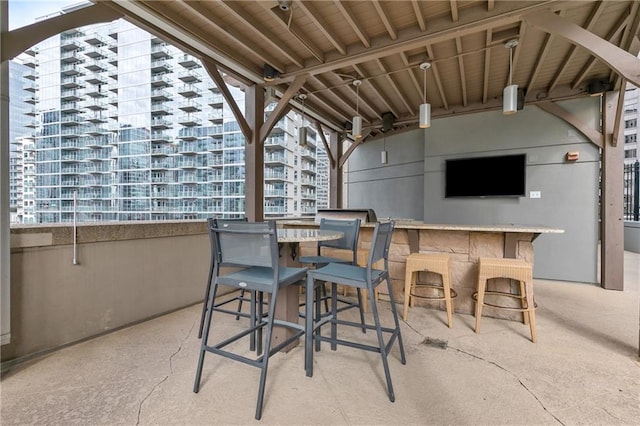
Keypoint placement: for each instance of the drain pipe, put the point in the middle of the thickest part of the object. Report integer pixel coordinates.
(75, 228)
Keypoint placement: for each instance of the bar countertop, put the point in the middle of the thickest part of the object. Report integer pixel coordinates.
(417, 225)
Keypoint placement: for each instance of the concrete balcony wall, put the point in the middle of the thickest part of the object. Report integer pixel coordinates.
(127, 273)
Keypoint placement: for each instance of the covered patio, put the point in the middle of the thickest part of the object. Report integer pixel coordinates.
(583, 370)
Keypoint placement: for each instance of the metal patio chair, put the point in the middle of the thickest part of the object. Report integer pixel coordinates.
(254, 248)
(359, 277)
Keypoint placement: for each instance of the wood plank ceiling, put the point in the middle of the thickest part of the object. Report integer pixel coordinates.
(383, 43)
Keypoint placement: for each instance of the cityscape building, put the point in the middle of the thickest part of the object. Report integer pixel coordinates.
(630, 119)
(128, 127)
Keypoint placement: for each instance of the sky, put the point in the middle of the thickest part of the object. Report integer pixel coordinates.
(25, 12)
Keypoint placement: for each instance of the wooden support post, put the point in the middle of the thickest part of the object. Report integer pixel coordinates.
(254, 155)
(335, 171)
(612, 225)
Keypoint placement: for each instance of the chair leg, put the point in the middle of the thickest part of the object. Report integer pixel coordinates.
(394, 311)
(482, 283)
(205, 305)
(381, 345)
(205, 339)
(240, 303)
(334, 313)
(258, 298)
(265, 356)
(318, 313)
(359, 293)
(324, 296)
(308, 326)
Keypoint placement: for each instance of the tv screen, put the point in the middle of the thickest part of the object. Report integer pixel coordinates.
(499, 176)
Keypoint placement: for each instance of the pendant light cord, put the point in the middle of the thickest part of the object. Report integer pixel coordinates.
(424, 96)
(510, 65)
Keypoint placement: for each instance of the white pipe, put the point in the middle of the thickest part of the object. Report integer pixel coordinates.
(75, 228)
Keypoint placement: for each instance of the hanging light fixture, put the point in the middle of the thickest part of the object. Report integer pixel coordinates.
(510, 93)
(356, 129)
(425, 108)
(302, 130)
(383, 153)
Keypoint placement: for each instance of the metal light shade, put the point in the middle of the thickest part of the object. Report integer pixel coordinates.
(510, 99)
(356, 131)
(425, 116)
(302, 136)
(383, 157)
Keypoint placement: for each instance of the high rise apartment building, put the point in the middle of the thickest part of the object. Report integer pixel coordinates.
(127, 127)
(631, 118)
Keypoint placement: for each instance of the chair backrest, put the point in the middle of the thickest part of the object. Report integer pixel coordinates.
(213, 236)
(382, 235)
(351, 230)
(242, 243)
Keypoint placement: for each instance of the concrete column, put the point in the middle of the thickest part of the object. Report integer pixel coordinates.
(612, 225)
(254, 154)
(5, 248)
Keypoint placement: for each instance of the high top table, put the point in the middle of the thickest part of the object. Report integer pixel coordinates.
(288, 307)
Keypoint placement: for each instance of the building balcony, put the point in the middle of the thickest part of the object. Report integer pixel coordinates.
(216, 101)
(160, 108)
(30, 86)
(160, 50)
(166, 163)
(96, 39)
(71, 69)
(161, 80)
(188, 61)
(190, 76)
(30, 99)
(158, 136)
(190, 106)
(30, 75)
(94, 104)
(189, 91)
(70, 95)
(159, 94)
(96, 52)
(162, 150)
(72, 56)
(98, 65)
(96, 78)
(189, 120)
(161, 66)
(161, 123)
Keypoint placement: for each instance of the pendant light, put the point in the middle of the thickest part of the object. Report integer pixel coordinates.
(356, 128)
(510, 93)
(425, 108)
(383, 153)
(302, 130)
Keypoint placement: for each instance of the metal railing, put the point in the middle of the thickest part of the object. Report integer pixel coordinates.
(631, 192)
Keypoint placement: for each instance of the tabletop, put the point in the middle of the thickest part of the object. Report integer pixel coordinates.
(297, 235)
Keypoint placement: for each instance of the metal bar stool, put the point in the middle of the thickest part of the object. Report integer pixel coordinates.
(515, 269)
(431, 262)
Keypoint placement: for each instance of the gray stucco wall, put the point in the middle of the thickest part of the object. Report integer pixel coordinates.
(632, 236)
(569, 195)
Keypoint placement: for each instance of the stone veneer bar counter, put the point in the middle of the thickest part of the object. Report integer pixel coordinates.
(464, 243)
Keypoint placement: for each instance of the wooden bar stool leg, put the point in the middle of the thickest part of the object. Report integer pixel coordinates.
(482, 283)
(446, 285)
(407, 292)
(532, 309)
(523, 301)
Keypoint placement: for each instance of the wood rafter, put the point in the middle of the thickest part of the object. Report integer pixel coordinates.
(419, 18)
(376, 87)
(591, 21)
(412, 76)
(463, 78)
(322, 25)
(208, 19)
(546, 45)
(261, 31)
(353, 22)
(490, 5)
(281, 19)
(615, 31)
(440, 30)
(629, 35)
(516, 51)
(556, 110)
(487, 66)
(624, 63)
(348, 102)
(436, 76)
(454, 10)
(386, 21)
(394, 86)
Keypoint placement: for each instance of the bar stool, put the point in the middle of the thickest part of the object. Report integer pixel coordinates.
(514, 269)
(431, 262)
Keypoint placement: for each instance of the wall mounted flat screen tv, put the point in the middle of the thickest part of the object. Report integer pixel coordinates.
(498, 176)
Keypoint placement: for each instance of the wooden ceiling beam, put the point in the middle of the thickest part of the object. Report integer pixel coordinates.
(261, 31)
(436, 76)
(412, 76)
(386, 21)
(394, 86)
(419, 18)
(322, 25)
(487, 66)
(208, 19)
(591, 21)
(454, 10)
(376, 88)
(354, 22)
(281, 18)
(623, 62)
(281, 109)
(412, 38)
(463, 77)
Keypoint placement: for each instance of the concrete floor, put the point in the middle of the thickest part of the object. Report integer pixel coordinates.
(584, 369)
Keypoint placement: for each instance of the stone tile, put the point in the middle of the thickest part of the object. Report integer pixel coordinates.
(485, 244)
(444, 241)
